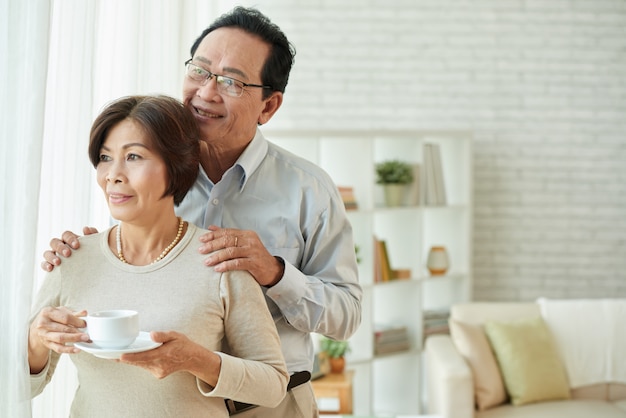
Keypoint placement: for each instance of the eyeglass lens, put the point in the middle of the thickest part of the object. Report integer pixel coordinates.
(225, 84)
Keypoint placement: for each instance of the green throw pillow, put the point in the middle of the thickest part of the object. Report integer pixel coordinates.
(529, 361)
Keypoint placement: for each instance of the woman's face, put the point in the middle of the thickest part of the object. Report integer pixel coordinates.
(132, 175)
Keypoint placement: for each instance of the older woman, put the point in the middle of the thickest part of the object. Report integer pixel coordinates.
(215, 326)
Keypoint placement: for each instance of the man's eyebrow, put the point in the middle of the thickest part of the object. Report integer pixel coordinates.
(202, 59)
(228, 70)
(231, 70)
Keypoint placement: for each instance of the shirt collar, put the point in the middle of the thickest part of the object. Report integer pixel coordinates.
(251, 157)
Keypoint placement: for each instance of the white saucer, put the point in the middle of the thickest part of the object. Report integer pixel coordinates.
(142, 343)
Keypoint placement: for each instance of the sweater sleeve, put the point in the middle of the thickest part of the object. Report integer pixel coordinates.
(48, 295)
(253, 369)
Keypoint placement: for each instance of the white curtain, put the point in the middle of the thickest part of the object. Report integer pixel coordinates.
(23, 55)
(61, 61)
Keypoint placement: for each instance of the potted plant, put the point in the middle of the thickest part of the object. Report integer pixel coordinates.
(336, 351)
(356, 253)
(394, 175)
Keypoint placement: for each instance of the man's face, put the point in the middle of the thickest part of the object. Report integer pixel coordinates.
(225, 120)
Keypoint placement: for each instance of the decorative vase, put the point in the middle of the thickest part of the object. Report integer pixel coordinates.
(437, 261)
(394, 194)
(337, 364)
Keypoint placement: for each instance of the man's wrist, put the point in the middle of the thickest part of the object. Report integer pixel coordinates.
(281, 272)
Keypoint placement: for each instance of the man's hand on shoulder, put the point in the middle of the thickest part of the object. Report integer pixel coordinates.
(237, 249)
(63, 246)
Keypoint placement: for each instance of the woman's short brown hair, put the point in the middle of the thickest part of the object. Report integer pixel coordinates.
(170, 126)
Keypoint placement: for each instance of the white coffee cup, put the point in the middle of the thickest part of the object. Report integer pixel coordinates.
(114, 328)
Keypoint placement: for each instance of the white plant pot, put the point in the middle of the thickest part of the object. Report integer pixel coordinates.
(395, 194)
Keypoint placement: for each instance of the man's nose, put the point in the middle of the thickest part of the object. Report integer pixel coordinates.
(208, 90)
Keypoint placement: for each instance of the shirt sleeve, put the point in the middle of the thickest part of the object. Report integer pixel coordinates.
(323, 295)
(48, 295)
(39, 381)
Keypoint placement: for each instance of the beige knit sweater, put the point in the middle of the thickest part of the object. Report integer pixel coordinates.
(221, 311)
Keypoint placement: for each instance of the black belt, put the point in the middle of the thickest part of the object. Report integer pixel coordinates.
(295, 380)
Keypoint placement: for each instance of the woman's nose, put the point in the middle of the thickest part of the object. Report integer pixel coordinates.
(114, 175)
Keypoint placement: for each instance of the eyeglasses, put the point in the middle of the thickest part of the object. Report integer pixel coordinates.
(227, 85)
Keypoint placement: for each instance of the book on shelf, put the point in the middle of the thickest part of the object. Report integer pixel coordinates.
(347, 195)
(382, 266)
(435, 330)
(436, 315)
(390, 339)
(430, 193)
(386, 333)
(439, 183)
(378, 270)
(400, 274)
(392, 348)
(429, 323)
(435, 321)
(434, 184)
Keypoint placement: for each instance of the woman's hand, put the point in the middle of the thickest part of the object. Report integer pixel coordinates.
(53, 329)
(178, 353)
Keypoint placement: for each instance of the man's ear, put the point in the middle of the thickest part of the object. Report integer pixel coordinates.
(272, 104)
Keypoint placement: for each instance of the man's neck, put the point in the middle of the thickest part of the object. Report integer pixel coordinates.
(216, 159)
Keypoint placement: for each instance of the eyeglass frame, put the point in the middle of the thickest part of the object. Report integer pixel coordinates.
(211, 75)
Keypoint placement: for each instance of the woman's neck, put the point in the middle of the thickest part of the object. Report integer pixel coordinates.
(141, 245)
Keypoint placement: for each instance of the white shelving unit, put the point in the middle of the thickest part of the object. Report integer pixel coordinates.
(392, 383)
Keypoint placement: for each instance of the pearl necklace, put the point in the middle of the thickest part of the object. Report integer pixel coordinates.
(118, 240)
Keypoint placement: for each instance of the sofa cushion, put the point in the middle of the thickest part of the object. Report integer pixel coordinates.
(589, 334)
(621, 405)
(599, 391)
(471, 342)
(602, 391)
(528, 359)
(557, 409)
(617, 392)
(481, 312)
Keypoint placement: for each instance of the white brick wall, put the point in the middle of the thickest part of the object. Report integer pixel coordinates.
(542, 84)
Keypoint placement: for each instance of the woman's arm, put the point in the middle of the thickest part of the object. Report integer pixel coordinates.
(253, 368)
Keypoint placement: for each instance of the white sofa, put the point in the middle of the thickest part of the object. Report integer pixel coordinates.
(588, 342)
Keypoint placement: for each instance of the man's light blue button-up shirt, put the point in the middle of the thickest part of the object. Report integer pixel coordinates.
(297, 212)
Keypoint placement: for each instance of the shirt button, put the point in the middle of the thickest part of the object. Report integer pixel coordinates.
(216, 201)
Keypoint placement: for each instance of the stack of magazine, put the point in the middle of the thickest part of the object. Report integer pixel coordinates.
(390, 339)
(347, 195)
(436, 322)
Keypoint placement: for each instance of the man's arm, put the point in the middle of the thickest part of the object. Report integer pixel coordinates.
(321, 292)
